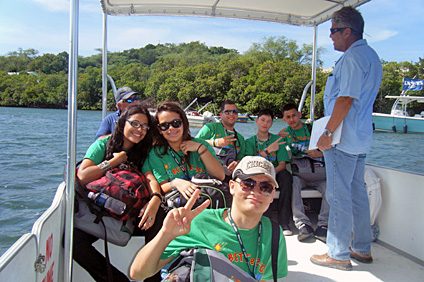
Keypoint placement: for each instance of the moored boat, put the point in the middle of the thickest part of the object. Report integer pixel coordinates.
(399, 120)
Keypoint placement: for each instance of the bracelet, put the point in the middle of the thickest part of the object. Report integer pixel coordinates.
(105, 166)
(215, 142)
(157, 195)
(199, 147)
(172, 186)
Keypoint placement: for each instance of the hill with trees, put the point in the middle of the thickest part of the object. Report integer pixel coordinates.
(270, 74)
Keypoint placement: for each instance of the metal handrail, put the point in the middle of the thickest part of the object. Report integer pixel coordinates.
(302, 100)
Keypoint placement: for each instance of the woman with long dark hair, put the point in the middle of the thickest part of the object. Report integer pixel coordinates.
(176, 156)
(129, 144)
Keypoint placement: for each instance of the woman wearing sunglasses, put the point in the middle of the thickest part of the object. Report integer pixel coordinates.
(129, 143)
(177, 156)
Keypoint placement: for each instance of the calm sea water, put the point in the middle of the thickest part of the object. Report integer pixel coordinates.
(33, 153)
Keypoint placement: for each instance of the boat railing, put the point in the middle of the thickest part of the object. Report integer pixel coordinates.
(41, 249)
(305, 91)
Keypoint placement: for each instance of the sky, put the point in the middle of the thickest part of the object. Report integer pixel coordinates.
(394, 28)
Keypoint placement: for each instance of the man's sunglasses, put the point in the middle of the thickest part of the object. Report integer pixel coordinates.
(337, 29)
(176, 123)
(130, 100)
(227, 112)
(249, 184)
(136, 124)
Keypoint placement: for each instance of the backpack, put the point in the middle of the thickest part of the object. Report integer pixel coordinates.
(126, 184)
(211, 188)
(206, 265)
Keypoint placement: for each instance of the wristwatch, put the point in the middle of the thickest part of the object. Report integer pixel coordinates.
(327, 133)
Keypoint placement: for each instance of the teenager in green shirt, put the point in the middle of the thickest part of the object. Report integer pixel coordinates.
(241, 233)
(177, 156)
(272, 147)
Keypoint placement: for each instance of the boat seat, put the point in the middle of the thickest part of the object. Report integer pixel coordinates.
(306, 193)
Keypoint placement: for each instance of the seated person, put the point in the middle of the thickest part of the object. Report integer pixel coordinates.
(229, 145)
(252, 187)
(270, 146)
(129, 144)
(176, 156)
(298, 136)
(124, 96)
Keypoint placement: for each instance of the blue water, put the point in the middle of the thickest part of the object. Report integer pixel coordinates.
(33, 153)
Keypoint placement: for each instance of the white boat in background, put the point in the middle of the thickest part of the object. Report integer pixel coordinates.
(399, 119)
(45, 253)
(195, 118)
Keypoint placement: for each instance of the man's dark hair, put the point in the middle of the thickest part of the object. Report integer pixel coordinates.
(350, 17)
(227, 102)
(266, 112)
(288, 107)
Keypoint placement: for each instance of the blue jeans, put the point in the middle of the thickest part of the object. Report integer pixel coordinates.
(349, 207)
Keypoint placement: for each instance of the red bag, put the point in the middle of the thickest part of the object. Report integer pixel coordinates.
(126, 184)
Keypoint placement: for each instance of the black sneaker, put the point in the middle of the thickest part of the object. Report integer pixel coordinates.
(321, 233)
(305, 231)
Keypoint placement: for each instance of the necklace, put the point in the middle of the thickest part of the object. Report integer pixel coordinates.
(243, 249)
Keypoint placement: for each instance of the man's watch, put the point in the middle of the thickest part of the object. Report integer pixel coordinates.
(327, 133)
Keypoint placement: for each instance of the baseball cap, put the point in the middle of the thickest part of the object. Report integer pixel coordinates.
(123, 93)
(254, 165)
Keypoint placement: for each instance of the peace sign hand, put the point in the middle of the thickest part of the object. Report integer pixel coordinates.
(275, 145)
(225, 141)
(178, 220)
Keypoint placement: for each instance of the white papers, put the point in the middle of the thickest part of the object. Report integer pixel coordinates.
(318, 129)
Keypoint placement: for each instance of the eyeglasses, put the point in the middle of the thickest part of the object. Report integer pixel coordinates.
(176, 123)
(130, 100)
(249, 184)
(227, 112)
(135, 124)
(334, 30)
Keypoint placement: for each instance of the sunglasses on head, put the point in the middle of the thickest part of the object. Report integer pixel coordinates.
(337, 29)
(176, 123)
(227, 112)
(130, 100)
(249, 184)
(136, 124)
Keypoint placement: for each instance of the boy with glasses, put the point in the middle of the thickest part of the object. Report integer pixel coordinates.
(234, 232)
(124, 97)
(229, 145)
(272, 147)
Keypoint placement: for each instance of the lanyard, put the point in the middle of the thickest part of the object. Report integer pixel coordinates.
(252, 273)
(183, 166)
(257, 145)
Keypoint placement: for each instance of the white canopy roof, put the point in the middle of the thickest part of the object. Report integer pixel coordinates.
(293, 12)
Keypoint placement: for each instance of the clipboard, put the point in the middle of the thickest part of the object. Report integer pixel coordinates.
(318, 129)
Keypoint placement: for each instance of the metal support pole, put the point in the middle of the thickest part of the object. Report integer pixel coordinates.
(104, 67)
(314, 74)
(72, 143)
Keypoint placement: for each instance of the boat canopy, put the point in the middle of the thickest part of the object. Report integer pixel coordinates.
(407, 98)
(292, 12)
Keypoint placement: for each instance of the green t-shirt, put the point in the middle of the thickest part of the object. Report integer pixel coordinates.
(97, 151)
(165, 167)
(253, 146)
(209, 230)
(215, 130)
(298, 140)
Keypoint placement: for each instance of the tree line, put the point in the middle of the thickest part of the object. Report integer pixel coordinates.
(268, 75)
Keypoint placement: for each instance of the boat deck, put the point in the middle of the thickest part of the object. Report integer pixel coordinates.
(388, 266)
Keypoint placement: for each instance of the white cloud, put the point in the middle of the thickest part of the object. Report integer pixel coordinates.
(54, 5)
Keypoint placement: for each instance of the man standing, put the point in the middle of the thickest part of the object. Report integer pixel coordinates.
(270, 147)
(298, 136)
(241, 233)
(124, 96)
(229, 145)
(349, 96)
